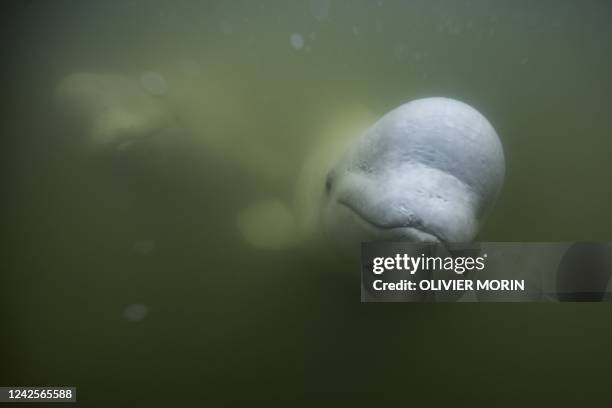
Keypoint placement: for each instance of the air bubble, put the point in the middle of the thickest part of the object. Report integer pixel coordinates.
(135, 313)
(297, 41)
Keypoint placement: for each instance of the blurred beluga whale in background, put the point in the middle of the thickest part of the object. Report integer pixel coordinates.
(114, 113)
(429, 170)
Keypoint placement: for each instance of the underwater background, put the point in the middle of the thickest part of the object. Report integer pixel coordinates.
(136, 283)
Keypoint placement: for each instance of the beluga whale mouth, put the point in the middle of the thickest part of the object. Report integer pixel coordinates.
(412, 229)
(429, 170)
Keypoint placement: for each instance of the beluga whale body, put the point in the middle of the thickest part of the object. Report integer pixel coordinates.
(429, 170)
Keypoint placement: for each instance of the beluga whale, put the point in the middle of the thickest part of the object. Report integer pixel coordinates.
(113, 113)
(429, 170)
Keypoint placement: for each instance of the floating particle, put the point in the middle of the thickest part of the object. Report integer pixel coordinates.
(135, 313)
(144, 246)
(400, 51)
(154, 83)
(297, 41)
(320, 9)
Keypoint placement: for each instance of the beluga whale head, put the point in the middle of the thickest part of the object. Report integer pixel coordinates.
(428, 171)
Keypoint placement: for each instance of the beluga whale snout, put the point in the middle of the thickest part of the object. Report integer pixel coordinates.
(429, 170)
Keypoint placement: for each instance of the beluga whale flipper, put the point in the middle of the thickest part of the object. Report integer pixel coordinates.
(429, 170)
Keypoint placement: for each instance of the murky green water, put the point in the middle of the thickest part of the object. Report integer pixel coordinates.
(135, 283)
